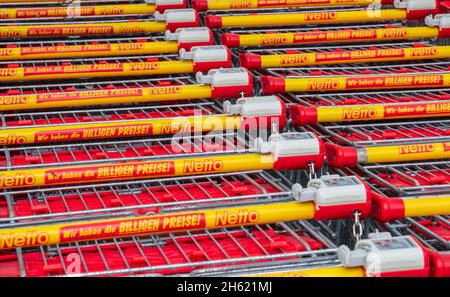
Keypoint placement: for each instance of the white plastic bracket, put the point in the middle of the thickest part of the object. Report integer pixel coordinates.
(254, 106)
(415, 4)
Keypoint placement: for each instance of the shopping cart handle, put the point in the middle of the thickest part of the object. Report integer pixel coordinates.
(230, 39)
(213, 21)
(440, 264)
(272, 85)
(340, 156)
(302, 115)
(250, 60)
(387, 209)
(200, 5)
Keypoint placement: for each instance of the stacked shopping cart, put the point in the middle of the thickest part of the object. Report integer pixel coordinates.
(224, 137)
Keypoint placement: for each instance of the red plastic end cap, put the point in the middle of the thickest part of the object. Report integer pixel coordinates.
(340, 156)
(444, 33)
(387, 2)
(213, 21)
(303, 115)
(230, 39)
(250, 61)
(387, 209)
(199, 5)
(162, 8)
(441, 264)
(272, 85)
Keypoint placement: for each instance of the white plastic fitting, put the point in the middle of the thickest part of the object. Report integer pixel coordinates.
(224, 77)
(440, 20)
(415, 4)
(383, 253)
(289, 144)
(213, 53)
(188, 35)
(176, 16)
(164, 2)
(332, 190)
(254, 106)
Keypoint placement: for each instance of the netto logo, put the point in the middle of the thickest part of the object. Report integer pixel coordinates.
(396, 33)
(162, 90)
(274, 40)
(320, 16)
(241, 4)
(241, 217)
(6, 52)
(416, 148)
(424, 51)
(8, 72)
(194, 166)
(359, 113)
(9, 33)
(318, 85)
(12, 100)
(17, 180)
(23, 240)
(144, 66)
(12, 139)
(294, 59)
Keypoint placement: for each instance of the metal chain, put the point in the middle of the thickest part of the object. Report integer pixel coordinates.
(357, 227)
(312, 171)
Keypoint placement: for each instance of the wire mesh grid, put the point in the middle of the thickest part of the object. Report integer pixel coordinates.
(94, 115)
(95, 60)
(104, 84)
(142, 149)
(433, 232)
(410, 179)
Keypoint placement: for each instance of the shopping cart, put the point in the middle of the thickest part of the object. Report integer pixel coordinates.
(171, 43)
(225, 250)
(247, 114)
(199, 58)
(261, 5)
(51, 9)
(435, 27)
(218, 84)
(404, 10)
(171, 19)
(310, 109)
(406, 75)
(332, 55)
